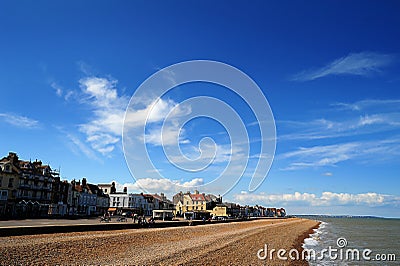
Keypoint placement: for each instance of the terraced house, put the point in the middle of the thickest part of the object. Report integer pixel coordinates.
(33, 189)
(29, 186)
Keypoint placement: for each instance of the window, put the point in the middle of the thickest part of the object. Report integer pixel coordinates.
(105, 190)
(4, 195)
(10, 182)
(1, 179)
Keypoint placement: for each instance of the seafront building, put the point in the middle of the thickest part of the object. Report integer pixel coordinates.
(33, 189)
(28, 186)
(139, 203)
(196, 202)
(30, 189)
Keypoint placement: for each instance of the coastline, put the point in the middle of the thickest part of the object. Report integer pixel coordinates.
(299, 243)
(235, 243)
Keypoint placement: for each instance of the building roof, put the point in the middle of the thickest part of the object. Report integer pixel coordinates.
(198, 197)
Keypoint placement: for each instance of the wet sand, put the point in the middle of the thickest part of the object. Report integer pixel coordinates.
(234, 243)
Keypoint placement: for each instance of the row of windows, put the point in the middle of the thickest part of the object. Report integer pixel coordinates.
(117, 204)
(195, 202)
(10, 182)
(129, 200)
(34, 194)
(194, 208)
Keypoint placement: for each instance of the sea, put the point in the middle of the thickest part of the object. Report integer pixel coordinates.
(354, 241)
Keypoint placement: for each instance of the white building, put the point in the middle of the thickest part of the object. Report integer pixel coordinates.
(142, 204)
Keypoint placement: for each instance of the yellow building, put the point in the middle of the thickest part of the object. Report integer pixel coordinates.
(9, 180)
(188, 202)
(219, 211)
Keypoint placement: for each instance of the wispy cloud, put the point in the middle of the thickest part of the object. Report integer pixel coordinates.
(77, 146)
(370, 199)
(19, 121)
(331, 155)
(387, 104)
(358, 118)
(161, 118)
(104, 129)
(324, 129)
(360, 64)
(58, 89)
(62, 92)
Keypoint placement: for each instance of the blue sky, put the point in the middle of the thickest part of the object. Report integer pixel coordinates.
(330, 71)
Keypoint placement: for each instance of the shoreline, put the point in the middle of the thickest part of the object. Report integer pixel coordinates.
(300, 242)
(233, 243)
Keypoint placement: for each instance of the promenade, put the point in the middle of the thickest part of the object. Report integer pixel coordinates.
(47, 222)
(51, 226)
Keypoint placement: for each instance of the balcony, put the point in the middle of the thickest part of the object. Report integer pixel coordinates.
(45, 188)
(25, 186)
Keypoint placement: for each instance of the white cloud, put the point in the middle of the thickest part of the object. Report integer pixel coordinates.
(58, 89)
(79, 146)
(105, 127)
(370, 199)
(164, 136)
(19, 121)
(153, 185)
(156, 111)
(104, 130)
(62, 92)
(68, 95)
(161, 119)
(360, 64)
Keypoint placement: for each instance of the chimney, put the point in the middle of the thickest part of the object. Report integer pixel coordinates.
(113, 189)
(196, 192)
(84, 182)
(125, 190)
(13, 157)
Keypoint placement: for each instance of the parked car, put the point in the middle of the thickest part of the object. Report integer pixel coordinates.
(219, 218)
(127, 214)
